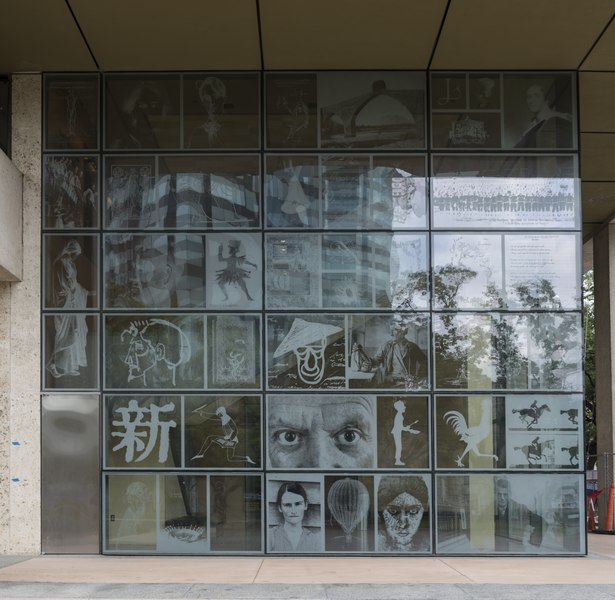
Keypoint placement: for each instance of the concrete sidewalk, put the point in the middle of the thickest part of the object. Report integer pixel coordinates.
(332, 578)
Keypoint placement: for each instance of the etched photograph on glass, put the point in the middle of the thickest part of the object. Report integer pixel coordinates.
(221, 110)
(222, 432)
(71, 197)
(293, 271)
(397, 192)
(345, 196)
(142, 432)
(321, 432)
(154, 352)
(233, 348)
(154, 271)
(543, 431)
(133, 198)
(510, 514)
(130, 520)
(403, 432)
(467, 271)
(182, 526)
(372, 109)
(295, 514)
(71, 272)
(470, 432)
(403, 509)
(236, 513)
(542, 271)
(234, 270)
(292, 116)
(349, 513)
(555, 351)
(292, 191)
(388, 352)
(463, 348)
(504, 202)
(71, 112)
(70, 351)
(212, 191)
(539, 111)
(306, 352)
(142, 112)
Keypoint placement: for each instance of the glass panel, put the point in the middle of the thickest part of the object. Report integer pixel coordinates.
(234, 262)
(388, 352)
(542, 271)
(70, 192)
(398, 194)
(345, 198)
(295, 514)
(210, 191)
(291, 110)
(142, 113)
(403, 432)
(71, 272)
(130, 523)
(372, 109)
(305, 352)
(467, 271)
(538, 111)
(234, 343)
(182, 525)
(510, 514)
(154, 271)
(71, 351)
(156, 352)
(292, 191)
(71, 112)
(221, 110)
(223, 432)
(404, 507)
(321, 432)
(132, 200)
(498, 202)
(143, 432)
(470, 432)
(293, 271)
(236, 513)
(349, 513)
(543, 432)
(505, 165)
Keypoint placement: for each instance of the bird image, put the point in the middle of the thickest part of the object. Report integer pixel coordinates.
(471, 436)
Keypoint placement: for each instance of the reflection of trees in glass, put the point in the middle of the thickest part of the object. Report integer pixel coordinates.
(413, 286)
(537, 293)
(509, 360)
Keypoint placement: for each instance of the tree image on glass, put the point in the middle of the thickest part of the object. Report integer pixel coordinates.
(348, 501)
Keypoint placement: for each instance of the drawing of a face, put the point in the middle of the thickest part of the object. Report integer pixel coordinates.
(402, 517)
(141, 356)
(536, 100)
(321, 432)
(501, 495)
(293, 507)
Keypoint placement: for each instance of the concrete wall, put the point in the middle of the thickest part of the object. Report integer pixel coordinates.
(11, 243)
(20, 342)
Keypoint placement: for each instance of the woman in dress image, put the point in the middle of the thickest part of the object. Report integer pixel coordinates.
(233, 273)
(69, 346)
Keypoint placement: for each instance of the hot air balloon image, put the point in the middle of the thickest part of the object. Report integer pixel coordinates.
(349, 502)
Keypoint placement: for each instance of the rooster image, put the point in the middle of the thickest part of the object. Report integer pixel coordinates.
(470, 436)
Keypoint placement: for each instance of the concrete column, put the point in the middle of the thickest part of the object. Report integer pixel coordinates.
(604, 289)
(20, 343)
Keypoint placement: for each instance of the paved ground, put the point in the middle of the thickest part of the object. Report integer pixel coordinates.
(329, 578)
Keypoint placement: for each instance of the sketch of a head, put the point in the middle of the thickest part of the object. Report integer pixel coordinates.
(221, 412)
(400, 406)
(154, 344)
(136, 495)
(72, 249)
(212, 93)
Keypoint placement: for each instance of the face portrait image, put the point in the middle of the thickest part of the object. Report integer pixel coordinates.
(403, 513)
(322, 432)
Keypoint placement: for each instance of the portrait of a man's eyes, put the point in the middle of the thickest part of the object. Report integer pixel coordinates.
(321, 432)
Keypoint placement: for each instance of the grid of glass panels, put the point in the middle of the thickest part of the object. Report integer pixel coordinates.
(328, 312)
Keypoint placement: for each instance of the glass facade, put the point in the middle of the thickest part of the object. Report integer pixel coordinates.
(323, 312)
